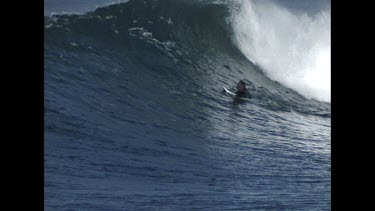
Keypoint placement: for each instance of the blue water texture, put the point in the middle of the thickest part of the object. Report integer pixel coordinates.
(135, 117)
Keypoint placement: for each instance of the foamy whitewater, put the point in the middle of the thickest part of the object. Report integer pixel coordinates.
(136, 117)
(293, 49)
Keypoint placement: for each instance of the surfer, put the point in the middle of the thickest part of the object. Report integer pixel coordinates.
(241, 90)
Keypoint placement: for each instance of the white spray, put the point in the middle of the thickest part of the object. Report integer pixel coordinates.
(294, 49)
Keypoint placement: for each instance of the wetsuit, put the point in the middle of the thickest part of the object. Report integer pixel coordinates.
(244, 94)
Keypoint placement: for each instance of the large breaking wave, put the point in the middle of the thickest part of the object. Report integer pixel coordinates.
(135, 117)
(210, 42)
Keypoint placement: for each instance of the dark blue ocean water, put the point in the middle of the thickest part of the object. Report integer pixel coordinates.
(135, 117)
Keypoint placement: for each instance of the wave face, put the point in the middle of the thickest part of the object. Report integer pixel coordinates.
(135, 117)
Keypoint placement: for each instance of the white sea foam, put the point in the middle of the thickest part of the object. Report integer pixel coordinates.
(294, 49)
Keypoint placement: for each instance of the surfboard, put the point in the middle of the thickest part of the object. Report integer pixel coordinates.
(232, 94)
